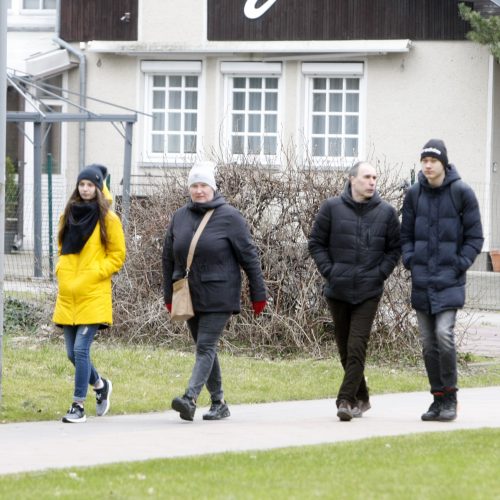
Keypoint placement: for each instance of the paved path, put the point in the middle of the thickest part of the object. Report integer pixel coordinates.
(483, 332)
(46, 445)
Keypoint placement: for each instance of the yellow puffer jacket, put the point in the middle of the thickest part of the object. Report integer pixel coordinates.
(84, 296)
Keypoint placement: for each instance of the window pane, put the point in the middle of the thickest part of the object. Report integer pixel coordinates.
(336, 84)
(319, 83)
(271, 100)
(319, 102)
(174, 144)
(253, 145)
(352, 102)
(191, 122)
(159, 121)
(335, 147)
(238, 100)
(238, 123)
(49, 4)
(158, 99)
(351, 124)
(255, 101)
(255, 83)
(191, 99)
(174, 99)
(335, 125)
(158, 81)
(174, 121)
(318, 124)
(351, 147)
(271, 83)
(336, 103)
(270, 145)
(190, 144)
(175, 81)
(157, 145)
(270, 123)
(254, 123)
(352, 83)
(191, 81)
(31, 4)
(237, 145)
(318, 146)
(239, 83)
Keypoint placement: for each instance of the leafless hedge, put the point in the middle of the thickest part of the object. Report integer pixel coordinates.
(280, 206)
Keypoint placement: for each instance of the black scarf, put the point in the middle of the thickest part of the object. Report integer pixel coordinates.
(80, 225)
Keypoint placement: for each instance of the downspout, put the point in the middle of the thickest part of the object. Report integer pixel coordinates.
(83, 84)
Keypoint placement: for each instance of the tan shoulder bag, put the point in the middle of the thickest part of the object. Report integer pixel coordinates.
(182, 307)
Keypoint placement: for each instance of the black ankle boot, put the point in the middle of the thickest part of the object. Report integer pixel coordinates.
(435, 408)
(449, 408)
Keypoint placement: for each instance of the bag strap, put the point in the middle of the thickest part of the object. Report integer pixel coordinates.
(195, 239)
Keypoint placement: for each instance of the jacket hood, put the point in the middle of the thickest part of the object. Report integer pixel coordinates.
(217, 201)
(349, 200)
(452, 175)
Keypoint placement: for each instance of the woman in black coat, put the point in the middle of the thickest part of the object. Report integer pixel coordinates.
(224, 247)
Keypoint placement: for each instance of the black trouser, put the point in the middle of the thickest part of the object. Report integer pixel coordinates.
(353, 324)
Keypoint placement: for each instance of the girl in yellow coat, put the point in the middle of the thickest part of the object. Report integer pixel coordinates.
(91, 250)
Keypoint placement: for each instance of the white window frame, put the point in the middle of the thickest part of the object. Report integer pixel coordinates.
(184, 69)
(312, 70)
(240, 69)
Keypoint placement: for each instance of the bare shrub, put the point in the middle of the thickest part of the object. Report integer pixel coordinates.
(280, 206)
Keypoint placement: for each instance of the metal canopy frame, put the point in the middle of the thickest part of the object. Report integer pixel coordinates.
(38, 118)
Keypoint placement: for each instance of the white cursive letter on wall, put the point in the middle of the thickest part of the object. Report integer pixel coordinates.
(253, 12)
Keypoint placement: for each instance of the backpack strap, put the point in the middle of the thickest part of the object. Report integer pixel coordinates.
(414, 195)
(456, 190)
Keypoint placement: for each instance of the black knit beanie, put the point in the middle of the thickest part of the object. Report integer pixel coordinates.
(435, 148)
(95, 174)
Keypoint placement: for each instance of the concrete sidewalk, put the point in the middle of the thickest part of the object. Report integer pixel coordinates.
(48, 445)
(483, 332)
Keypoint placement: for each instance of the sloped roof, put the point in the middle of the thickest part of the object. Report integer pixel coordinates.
(487, 7)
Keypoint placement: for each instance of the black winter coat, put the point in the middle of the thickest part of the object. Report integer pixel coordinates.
(439, 244)
(225, 245)
(355, 246)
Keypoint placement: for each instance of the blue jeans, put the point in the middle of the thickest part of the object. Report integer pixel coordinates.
(78, 339)
(438, 346)
(206, 329)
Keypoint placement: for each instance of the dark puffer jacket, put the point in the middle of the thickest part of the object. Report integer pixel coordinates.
(224, 246)
(355, 246)
(439, 244)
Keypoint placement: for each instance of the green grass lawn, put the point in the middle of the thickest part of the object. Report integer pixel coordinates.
(452, 465)
(38, 379)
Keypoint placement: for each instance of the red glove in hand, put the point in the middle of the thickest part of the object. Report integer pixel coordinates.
(258, 306)
(169, 307)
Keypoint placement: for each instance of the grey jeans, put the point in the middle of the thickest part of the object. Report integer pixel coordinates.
(206, 329)
(438, 346)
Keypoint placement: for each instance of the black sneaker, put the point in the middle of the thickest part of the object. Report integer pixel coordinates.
(344, 411)
(218, 410)
(102, 398)
(185, 406)
(75, 415)
(448, 408)
(434, 409)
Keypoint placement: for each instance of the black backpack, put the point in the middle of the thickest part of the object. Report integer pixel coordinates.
(456, 190)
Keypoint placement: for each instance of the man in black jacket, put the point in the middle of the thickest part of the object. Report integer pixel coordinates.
(355, 244)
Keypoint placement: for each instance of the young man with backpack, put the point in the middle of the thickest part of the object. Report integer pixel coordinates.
(441, 235)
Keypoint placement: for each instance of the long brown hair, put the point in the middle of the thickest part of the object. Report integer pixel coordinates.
(102, 206)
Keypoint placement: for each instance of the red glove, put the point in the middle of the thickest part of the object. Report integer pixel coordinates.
(169, 307)
(258, 306)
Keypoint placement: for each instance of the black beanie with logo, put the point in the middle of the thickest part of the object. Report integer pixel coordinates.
(95, 174)
(435, 148)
